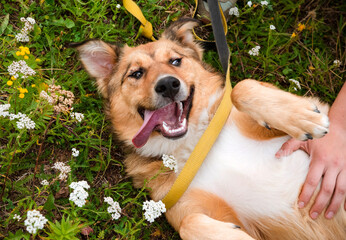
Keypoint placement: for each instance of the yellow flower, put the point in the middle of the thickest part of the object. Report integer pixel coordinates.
(23, 90)
(27, 51)
(13, 78)
(301, 27)
(18, 53)
(21, 95)
(26, 57)
(33, 85)
(21, 47)
(293, 35)
(38, 60)
(9, 83)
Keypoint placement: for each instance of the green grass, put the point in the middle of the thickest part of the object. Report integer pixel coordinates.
(26, 156)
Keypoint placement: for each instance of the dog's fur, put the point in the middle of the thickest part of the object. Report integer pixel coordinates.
(240, 182)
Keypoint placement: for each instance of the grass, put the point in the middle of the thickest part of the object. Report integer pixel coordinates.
(27, 156)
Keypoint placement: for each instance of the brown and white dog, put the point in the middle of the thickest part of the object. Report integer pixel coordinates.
(160, 97)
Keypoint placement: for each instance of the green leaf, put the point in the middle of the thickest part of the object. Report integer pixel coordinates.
(4, 24)
(49, 205)
(69, 23)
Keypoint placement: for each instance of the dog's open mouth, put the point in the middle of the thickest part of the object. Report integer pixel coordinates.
(171, 120)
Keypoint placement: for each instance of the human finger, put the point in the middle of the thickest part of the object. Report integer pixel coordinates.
(325, 193)
(289, 147)
(338, 197)
(312, 180)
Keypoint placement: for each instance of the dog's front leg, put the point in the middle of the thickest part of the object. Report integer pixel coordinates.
(199, 226)
(270, 107)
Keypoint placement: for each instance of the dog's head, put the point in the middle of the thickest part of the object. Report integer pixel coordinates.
(156, 92)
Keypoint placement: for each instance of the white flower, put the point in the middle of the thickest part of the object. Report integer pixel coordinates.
(254, 51)
(272, 27)
(78, 116)
(264, 3)
(75, 152)
(34, 221)
(295, 82)
(118, 6)
(16, 217)
(25, 122)
(234, 11)
(336, 63)
(28, 26)
(64, 170)
(153, 210)
(44, 182)
(4, 110)
(80, 184)
(20, 67)
(170, 162)
(79, 195)
(44, 95)
(114, 208)
(249, 3)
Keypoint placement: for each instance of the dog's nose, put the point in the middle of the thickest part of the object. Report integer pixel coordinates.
(168, 87)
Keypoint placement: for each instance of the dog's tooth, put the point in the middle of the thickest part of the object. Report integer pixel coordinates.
(180, 104)
(165, 126)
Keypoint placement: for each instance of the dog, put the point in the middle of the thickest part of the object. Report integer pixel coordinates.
(160, 98)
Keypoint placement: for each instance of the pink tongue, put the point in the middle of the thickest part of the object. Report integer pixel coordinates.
(153, 119)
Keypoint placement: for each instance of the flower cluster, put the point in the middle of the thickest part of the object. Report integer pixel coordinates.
(78, 116)
(22, 92)
(249, 3)
(4, 110)
(114, 208)
(153, 210)
(296, 83)
(75, 152)
(23, 51)
(28, 26)
(20, 67)
(23, 120)
(16, 217)
(170, 162)
(234, 11)
(44, 182)
(79, 195)
(255, 51)
(34, 221)
(337, 63)
(264, 3)
(62, 99)
(64, 170)
(44, 95)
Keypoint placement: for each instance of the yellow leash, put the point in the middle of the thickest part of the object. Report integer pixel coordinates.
(202, 148)
(211, 133)
(146, 29)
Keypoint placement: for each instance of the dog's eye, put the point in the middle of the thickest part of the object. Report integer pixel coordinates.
(137, 74)
(175, 62)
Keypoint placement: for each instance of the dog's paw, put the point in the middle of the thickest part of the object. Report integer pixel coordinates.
(306, 122)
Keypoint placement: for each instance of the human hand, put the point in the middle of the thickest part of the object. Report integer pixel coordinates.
(328, 163)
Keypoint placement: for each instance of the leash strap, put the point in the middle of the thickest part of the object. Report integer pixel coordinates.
(146, 29)
(213, 130)
(224, 23)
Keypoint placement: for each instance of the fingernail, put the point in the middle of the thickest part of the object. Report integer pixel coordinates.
(330, 215)
(314, 215)
(301, 204)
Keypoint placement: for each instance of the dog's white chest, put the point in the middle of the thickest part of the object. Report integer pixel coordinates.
(246, 174)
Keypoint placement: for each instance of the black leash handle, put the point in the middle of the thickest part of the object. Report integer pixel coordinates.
(219, 33)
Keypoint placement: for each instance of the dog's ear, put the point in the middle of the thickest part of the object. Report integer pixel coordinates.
(180, 31)
(99, 59)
